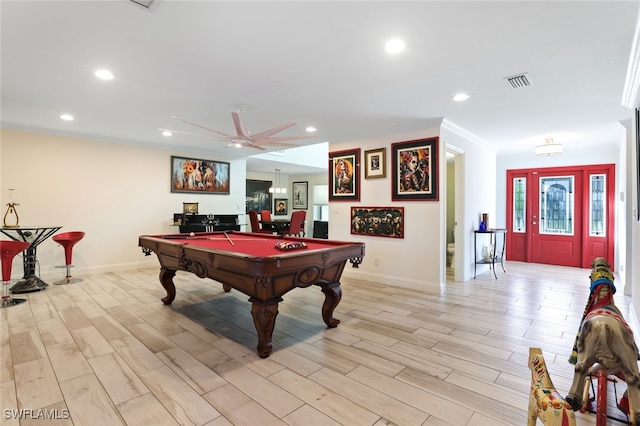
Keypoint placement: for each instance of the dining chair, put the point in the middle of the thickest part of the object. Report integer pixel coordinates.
(255, 223)
(265, 215)
(295, 225)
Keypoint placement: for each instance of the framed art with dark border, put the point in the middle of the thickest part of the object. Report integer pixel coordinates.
(258, 196)
(189, 208)
(414, 174)
(375, 163)
(280, 207)
(199, 176)
(378, 221)
(344, 175)
(300, 195)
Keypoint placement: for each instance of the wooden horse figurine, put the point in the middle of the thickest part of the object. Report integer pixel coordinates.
(605, 338)
(545, 403)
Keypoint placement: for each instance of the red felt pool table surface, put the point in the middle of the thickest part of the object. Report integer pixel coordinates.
(250, 244)
(252, 264)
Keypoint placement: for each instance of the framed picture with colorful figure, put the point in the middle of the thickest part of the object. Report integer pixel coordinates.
(195, 175)
(378, 221)
(414, 174)
(280, 207)
(344, 175)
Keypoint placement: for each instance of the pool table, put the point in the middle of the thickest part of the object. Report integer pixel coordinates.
(252, 264)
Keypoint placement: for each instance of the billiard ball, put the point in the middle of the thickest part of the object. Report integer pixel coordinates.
(192, 234)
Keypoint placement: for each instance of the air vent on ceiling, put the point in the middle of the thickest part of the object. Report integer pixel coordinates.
(518, 81)
(146, 4)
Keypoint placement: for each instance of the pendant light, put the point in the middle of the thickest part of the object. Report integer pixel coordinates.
(277, 189)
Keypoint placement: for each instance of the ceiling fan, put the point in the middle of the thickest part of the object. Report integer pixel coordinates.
(244, 138)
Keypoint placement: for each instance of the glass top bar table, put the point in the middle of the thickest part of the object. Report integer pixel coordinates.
(34, 235)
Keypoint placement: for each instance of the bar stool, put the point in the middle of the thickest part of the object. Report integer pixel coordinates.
(68, 240)
(8, 250)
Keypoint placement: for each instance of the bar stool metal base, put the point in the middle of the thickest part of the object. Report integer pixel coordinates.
(7, 300)
(7, 303)
(68, 280)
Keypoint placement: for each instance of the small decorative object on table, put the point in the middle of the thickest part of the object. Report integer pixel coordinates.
(290, 245)
(11, 211)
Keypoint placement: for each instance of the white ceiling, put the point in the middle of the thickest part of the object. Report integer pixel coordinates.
(318, 63)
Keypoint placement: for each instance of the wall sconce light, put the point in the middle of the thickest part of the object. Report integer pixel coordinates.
(277, 189)
(11, 211)
(548, 148)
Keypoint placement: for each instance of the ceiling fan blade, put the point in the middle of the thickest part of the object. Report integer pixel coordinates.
(266, 133)
(183, 133)
(238, 124)
(281, 139)
(277, 144)
(203, 127)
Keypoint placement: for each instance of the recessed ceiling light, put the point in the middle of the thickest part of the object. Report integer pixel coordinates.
(67, 117)
(104, 74)
(394, 46)
(167, 133)
(311, 129)
(460, 97)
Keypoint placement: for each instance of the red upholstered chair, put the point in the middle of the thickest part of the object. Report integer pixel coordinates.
(265, 215)
(255, 223)
(67, 240)
(8, 250)
(295, 225)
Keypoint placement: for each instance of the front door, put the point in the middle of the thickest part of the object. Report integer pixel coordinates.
(561, 216)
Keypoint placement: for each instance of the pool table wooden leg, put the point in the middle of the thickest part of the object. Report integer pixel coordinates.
(264, 318)
(332, 295)
(166, 279)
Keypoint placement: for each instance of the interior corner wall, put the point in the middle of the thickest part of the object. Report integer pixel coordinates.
(475, 194)
(113, 192)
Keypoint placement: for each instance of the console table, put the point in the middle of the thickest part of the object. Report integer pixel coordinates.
(206, 222)
(33, 235)
(493, 240)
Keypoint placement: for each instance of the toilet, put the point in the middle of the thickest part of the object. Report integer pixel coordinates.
(451, 249)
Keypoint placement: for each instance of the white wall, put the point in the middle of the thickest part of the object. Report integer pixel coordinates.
(114, 193)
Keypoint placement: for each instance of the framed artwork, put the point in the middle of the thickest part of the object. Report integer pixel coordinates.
(300, 195)
(190, 208)
(378, 221)
(280, 207)
(375, 163)
(258, 196)
(344, 175)
(199, 176)
(414, 174)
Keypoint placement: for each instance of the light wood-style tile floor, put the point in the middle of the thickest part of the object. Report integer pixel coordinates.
(107, 352)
